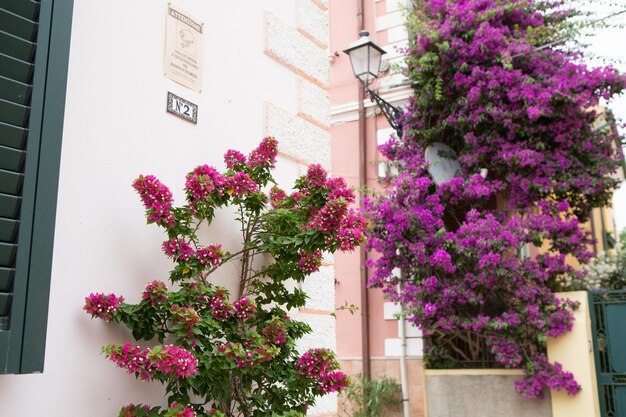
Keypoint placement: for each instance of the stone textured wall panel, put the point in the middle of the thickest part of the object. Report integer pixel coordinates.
(303, 134)
(298, 138)
(294, 50)
(328, 258)
(324, 406)
(323, 334)
(320, 287)
(312, 21)
(313, 103)
(322, 4)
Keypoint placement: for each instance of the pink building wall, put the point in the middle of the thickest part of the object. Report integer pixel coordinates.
(384, 21)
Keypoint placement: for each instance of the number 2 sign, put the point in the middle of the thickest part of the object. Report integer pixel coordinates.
(182, 108)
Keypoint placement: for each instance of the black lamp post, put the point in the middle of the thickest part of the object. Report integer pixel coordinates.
(365, 57)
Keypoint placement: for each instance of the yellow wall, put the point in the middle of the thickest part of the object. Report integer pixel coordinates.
(596, 219)
(609, 226)
(574, 351)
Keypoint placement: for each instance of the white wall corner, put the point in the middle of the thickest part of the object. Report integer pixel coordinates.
(323, 334)
(299, 139)
(328, 258)
(312, 22)
(313, 103)
(322, 4)
(320, 287)
(324, 406)
(292, 49)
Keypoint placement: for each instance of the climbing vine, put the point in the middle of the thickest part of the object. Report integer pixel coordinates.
(503, 83)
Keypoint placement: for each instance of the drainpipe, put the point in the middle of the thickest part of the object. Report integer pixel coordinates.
(403, 378)
(593, 233)
(365, 331)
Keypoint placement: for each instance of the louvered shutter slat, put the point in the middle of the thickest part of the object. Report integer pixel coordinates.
(16, 47)
(14, 91)
(16, 69)
(25, 8)
(13, 136)
(13, 113)
(8, 230)
(5, 304)
(7, 254)
(9, 206)
(11, 159)
(17, 25)
(6, 279)
(10, 182)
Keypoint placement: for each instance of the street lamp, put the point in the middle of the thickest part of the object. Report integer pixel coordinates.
(365, 57)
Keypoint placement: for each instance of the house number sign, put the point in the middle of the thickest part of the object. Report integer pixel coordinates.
(182, 108)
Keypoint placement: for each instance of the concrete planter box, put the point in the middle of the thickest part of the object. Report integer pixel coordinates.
(479, 393)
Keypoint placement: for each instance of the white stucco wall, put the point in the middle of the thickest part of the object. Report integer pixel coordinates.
(116, 127)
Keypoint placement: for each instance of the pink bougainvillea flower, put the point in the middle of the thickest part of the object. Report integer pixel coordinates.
(201, 183)
(244, 309)
(156, 198)
(174, 360)
(156, 292)
(265, 154)
(210, 255)
(233, 158)
(102, 306)
(179, 410)
(310, 262)
(132, 358)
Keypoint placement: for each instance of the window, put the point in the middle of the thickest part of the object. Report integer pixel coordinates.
(33, 74)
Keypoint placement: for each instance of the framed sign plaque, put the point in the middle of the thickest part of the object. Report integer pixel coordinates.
(183, 48)
(182, 108)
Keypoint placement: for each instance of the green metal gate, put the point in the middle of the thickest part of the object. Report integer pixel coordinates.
(608, 320)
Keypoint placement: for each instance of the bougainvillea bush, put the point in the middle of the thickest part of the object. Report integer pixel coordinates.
(482, 255)
(234, 354)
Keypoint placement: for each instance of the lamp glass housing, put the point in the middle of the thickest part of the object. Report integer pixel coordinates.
(365, 57)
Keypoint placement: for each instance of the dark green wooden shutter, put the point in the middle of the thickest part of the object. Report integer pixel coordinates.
(33, 75)
(19, 24)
